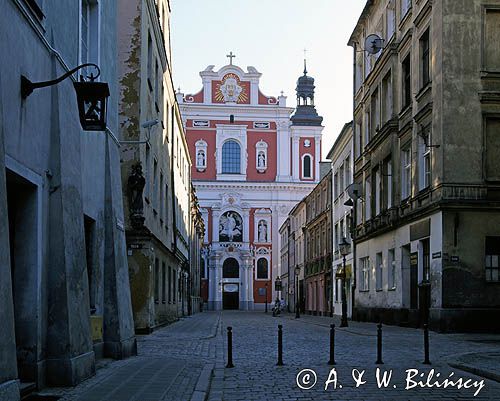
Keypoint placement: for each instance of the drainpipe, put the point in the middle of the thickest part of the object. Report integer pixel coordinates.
(355, 201)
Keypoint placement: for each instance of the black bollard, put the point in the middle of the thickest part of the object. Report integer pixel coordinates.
(229, 347)
(426, 345)
(379, 344)
(332, 345)
(280, 345)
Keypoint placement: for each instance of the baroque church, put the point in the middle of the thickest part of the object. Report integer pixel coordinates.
(253, 158)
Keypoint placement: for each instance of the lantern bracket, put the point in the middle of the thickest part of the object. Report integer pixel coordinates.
(27, 87)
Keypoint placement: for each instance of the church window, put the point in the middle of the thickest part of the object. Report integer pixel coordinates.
(306, 166)
(231, 158)
(230, 268)
(262, 269)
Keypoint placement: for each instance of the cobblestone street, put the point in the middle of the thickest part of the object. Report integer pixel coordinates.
(185, 361)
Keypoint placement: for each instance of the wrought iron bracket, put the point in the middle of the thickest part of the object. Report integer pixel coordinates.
(27, 87)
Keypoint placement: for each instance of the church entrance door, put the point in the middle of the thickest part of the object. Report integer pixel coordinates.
(231, 296)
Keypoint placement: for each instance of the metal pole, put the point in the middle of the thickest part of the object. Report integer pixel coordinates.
(266, 297)
(343, 322)
(379, 344)
(297, 298)
(426, 345)
(280, 345)
(229, 347)
(332, 345)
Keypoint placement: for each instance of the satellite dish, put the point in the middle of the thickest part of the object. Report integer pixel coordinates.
(373, 43)
(354, 191)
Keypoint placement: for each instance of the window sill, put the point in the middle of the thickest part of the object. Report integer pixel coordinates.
(363, 290)
(391, 289)
(404, 18)
(425, 89)
(156, 301)
(379, 290)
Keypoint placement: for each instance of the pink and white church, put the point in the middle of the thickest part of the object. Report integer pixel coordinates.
(253, 158)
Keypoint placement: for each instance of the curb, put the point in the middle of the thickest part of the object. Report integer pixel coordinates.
(476, 371)
(203, 384)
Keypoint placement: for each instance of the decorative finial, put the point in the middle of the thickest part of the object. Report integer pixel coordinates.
(305, 65)
(282, 93)
(179, 89)
(230, 56)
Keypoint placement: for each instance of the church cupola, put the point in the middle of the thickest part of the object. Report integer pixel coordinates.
(305, 113)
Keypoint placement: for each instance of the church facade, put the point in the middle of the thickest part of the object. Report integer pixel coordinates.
(253, 161)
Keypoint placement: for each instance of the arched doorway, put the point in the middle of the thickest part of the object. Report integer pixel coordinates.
(230, 291)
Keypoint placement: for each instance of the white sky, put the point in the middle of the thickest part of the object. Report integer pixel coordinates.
(271, 36)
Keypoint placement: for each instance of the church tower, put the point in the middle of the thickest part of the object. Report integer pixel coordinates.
(306, 132)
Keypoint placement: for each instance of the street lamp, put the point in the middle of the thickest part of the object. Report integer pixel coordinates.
(297, 298)
(266, 298)
(91, 96)
(344, 251)
(205, 251)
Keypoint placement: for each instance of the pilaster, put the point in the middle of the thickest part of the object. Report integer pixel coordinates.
(9, 388)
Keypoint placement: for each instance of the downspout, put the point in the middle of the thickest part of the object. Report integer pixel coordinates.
(355, 201)
(331, 239)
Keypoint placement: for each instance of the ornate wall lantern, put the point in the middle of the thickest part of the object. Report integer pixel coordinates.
(91, 97)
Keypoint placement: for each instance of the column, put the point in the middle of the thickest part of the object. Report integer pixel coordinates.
(118, 322)
(70, 354)
(254, 91)
(283, 142)
(9, 389)
(243, 284)
(207, 90)
(317, 157)
(295, 158)
(250, 284)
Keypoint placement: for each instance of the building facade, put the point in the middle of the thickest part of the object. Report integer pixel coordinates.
(155, 167)
(318, 249)
(341, 158)
(64, 278)
(253, 162)
(426, 172)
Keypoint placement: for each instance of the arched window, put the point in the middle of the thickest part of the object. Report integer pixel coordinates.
(231, 268)
(231, 158)
(306, 166)
(262, 269)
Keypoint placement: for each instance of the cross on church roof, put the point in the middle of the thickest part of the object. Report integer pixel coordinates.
(231, 56)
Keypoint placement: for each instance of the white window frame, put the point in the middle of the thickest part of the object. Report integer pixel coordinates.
(237, 133)
(364, 271)
(424, 161)
(391, 269)
(93, 35)
(311, 176)
(405, 172)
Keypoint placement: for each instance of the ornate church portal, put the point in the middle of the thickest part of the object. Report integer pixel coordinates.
(253, 160)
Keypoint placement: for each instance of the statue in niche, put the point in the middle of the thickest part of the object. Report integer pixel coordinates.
(230, 227)
(262, 231)
(136, 183)
(261, 160)
(201, 159)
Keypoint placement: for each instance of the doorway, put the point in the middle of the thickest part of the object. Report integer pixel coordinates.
(24, 242)
(231, 296)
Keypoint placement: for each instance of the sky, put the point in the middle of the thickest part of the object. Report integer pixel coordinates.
(271, 35)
